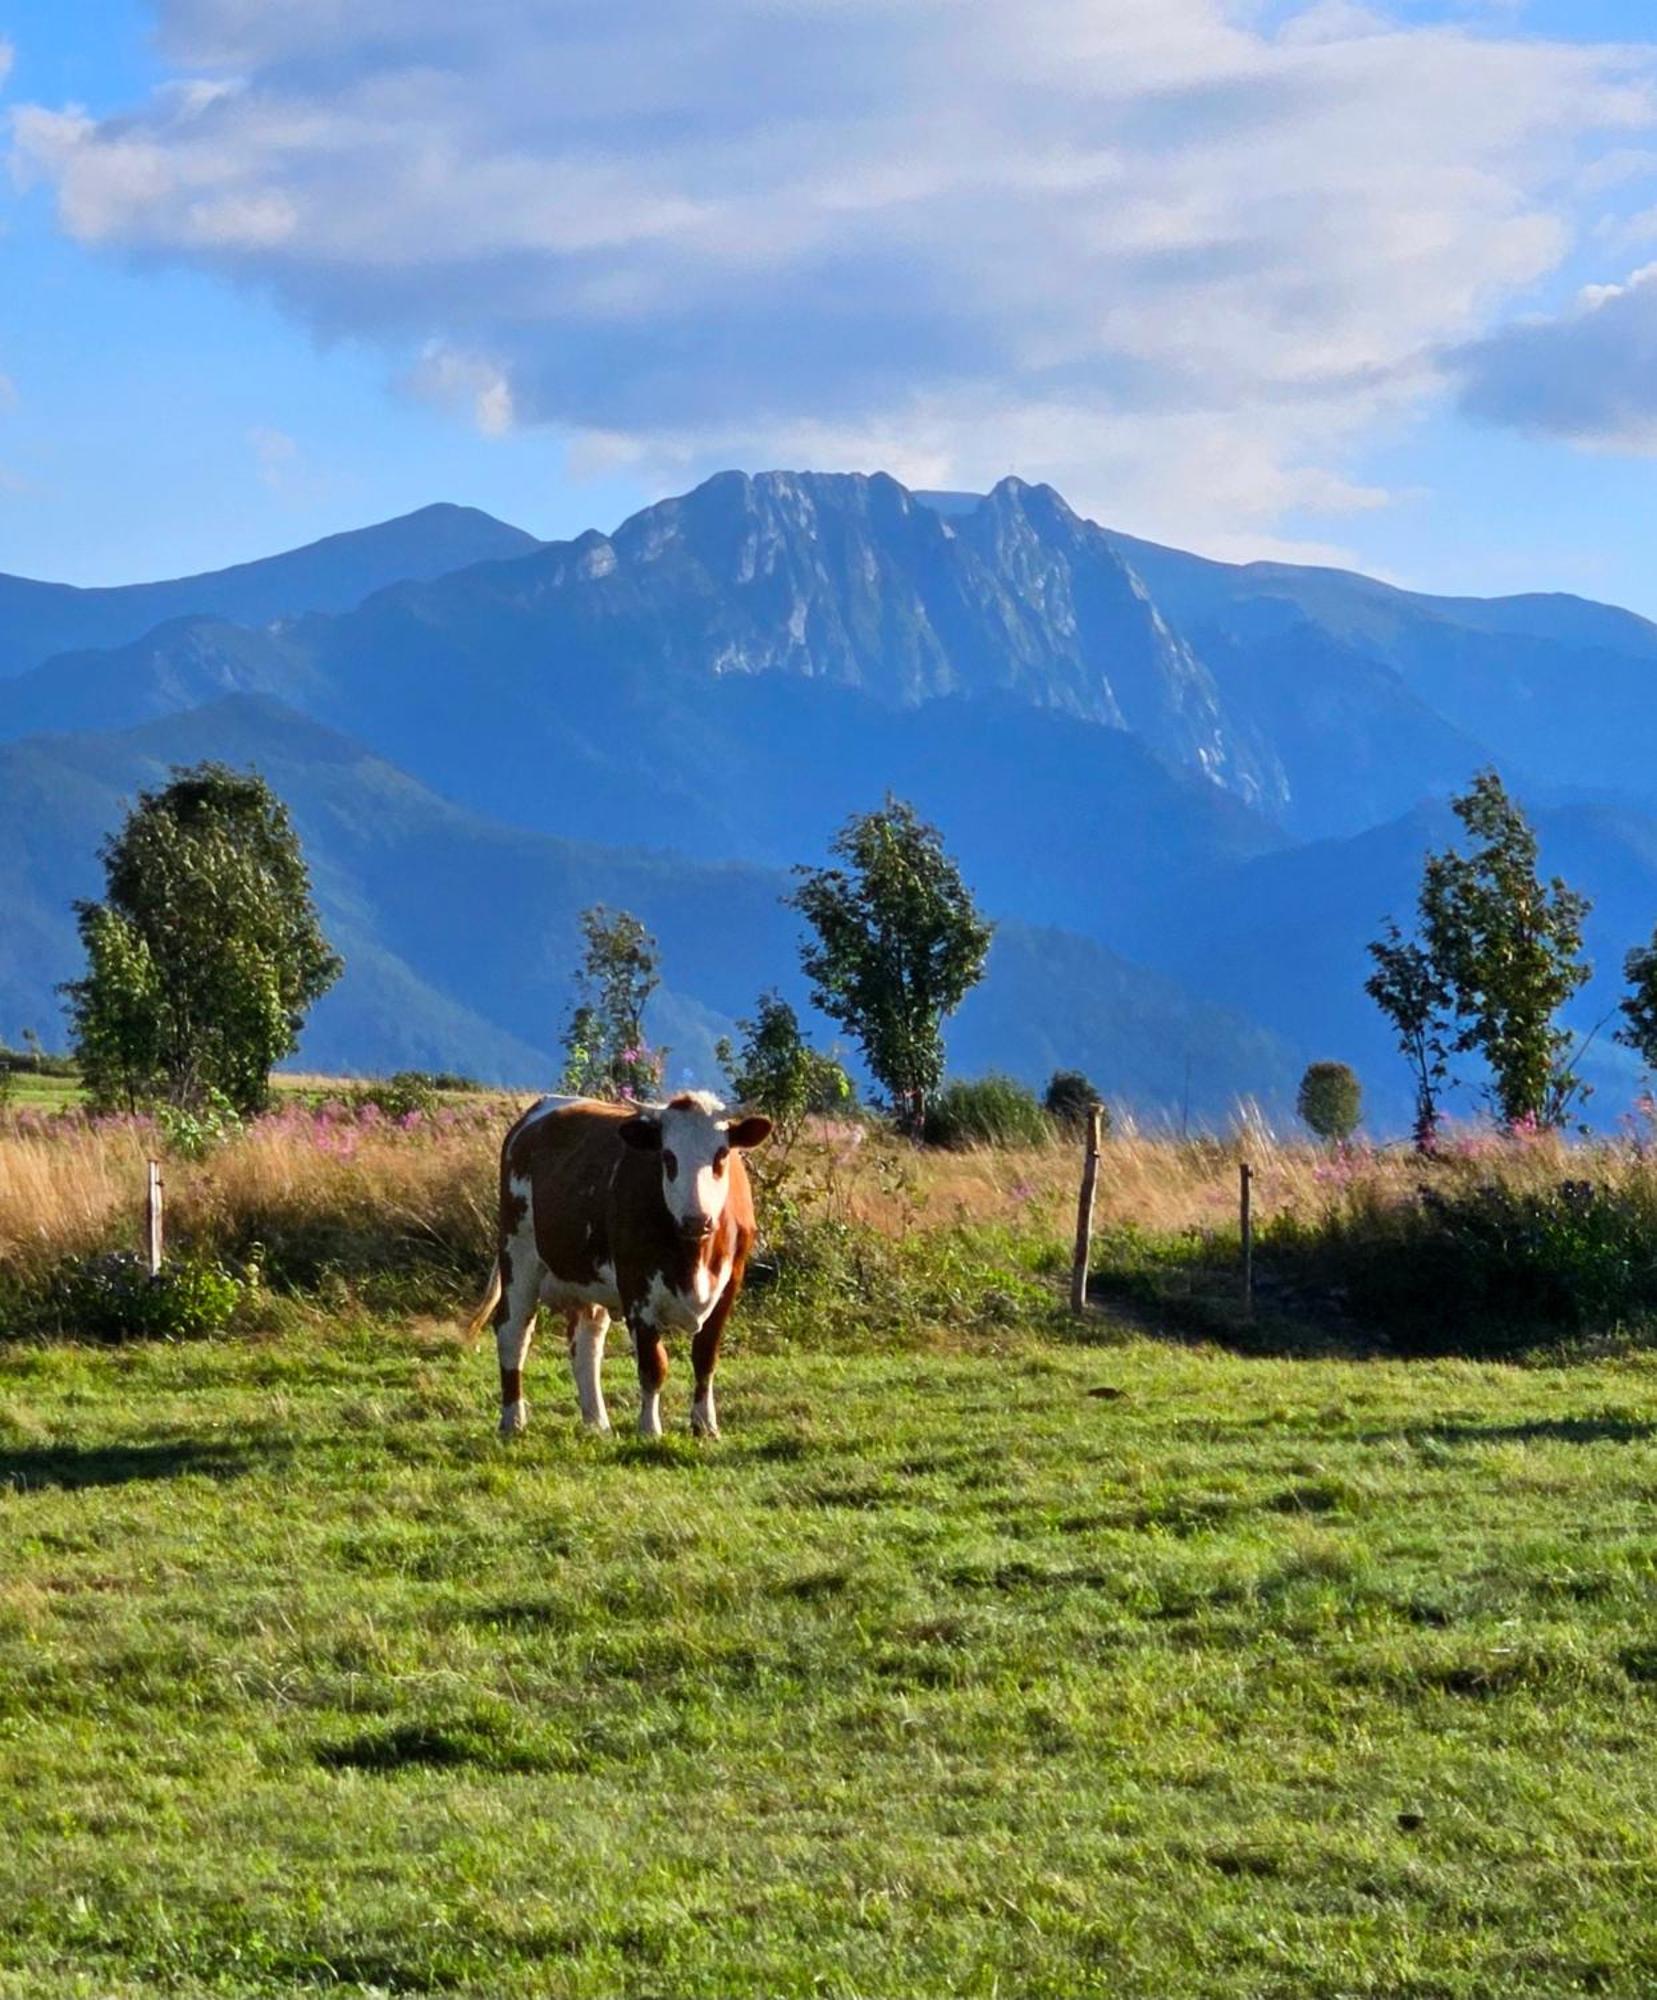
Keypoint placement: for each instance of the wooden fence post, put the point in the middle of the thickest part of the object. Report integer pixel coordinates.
(153, 1218)
(1084, 1212)
(1245, 1198)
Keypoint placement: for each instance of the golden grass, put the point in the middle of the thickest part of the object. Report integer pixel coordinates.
(67, 1187)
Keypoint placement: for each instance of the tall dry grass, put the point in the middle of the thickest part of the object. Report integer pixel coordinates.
(310, 1190)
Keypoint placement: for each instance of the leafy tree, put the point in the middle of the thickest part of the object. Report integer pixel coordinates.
(778, 1072)
(206, 953)
(1330, 1101)
(1508, 949)
(1639, 1006)
(899, 944)
(1408, 989)
(1070, 1096)
(605, 1051)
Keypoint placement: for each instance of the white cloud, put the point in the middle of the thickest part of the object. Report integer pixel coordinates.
(1179, 264)
(1588, 375)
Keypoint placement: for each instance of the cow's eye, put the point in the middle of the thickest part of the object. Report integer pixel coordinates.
(670, 1166)
(720, 1158)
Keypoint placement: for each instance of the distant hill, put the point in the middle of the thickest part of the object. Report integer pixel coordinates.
(460, 934)
(38, 620)
(1144, 759)
(1557, 689)
(1284, 937)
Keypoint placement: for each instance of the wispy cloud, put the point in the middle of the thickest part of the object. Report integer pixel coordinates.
(1180, 264)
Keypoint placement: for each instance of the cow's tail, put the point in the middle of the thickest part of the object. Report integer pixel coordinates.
(491, 1298)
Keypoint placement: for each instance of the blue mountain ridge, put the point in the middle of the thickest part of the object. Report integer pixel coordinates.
(1213, 775)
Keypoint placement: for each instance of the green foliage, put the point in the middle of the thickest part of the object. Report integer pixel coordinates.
(1070, 1097)
(899, 944)
(1508, 948)
(1409, 990)
(33, 1060)
(112, 1297)
(205, 955)
(604, 1046)
(1330, 1101)
(1499, 954)
(985, 1111)
(194, 1130)
(777, 1071)
(1484, 1270)
(1639, 1006)
(408, 1092)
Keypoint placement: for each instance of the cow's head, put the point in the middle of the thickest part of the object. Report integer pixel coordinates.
(695, 1140)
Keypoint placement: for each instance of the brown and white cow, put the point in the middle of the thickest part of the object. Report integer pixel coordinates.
(607, 1209)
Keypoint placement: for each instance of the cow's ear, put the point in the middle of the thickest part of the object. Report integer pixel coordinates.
(642, 1132)
(746, 1133)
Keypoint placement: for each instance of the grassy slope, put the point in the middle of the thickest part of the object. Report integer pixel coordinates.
(944, 1673)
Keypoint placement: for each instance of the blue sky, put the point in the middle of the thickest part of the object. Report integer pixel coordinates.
(1343, 283)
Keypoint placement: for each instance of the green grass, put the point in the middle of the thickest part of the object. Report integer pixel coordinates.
(29, 1092)
(1019, 1667)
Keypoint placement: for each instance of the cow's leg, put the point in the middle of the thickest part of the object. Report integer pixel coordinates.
(651, 1357)
(704, 1356)
(587, 1330)
(515, 1328)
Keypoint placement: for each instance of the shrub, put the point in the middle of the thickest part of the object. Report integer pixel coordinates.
(1331, 1101)
(1069, 1097)
(410, 1091)
(194, 1131)
(986, 1111)
(1491, 1269)
(778, 1072)
(113, 1297)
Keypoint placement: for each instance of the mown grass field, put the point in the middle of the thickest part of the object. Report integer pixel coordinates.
(1005, 1663)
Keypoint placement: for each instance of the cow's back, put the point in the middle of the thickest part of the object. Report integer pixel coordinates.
(558, 1163)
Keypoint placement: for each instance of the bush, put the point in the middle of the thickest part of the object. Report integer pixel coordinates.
(194, 1133)
(1485, 1270)
(986, 1111)
(778, 1072)
(113, 1297)
(1069, 1097)
(1331, 1101)
(409, 1092)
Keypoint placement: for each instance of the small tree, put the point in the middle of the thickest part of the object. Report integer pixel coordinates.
(205, 955)
(1070, 1097)
(778, 1072)
(899, 944)
(1639, 1006)
(1507, 947)
(604, 1045)
(1330, 1101)
(1407, 988)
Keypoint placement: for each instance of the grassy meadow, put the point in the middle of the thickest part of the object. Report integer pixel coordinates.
(989, 1653)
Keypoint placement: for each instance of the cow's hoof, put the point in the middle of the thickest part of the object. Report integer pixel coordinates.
(514, 1419)
(703, 1430)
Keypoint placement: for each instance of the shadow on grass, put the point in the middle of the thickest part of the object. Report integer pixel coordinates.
(1539, 1430)
(1199, 1306)
(483, 1742)
(33, 1468)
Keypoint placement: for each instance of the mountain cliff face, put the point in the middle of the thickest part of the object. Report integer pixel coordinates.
(843, 580)
(1142, 758)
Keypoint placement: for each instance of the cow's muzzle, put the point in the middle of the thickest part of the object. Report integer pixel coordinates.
(696, 1228)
